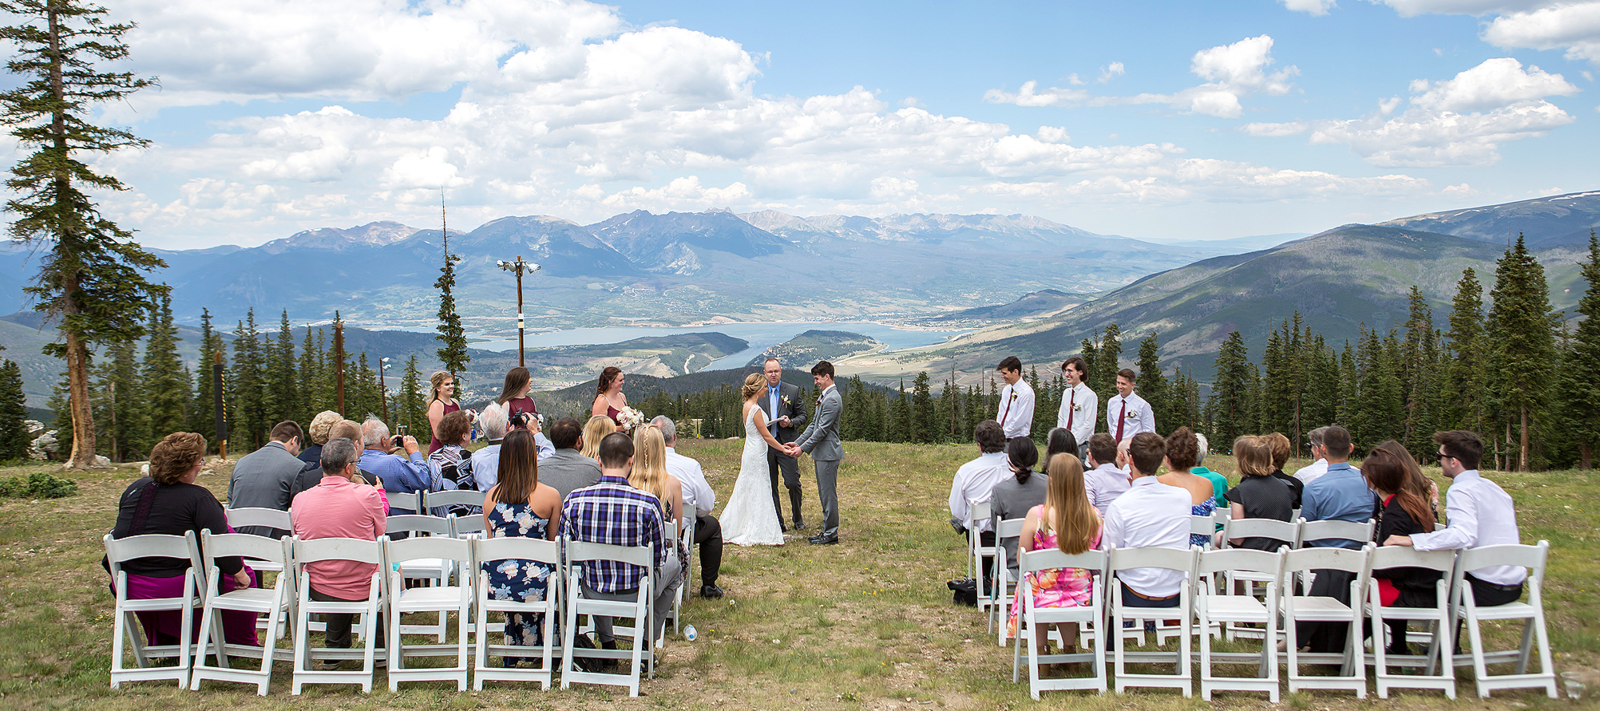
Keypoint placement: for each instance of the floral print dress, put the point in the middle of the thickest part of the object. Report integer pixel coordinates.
(1204, 508)
(519, 580)
(1058, 587)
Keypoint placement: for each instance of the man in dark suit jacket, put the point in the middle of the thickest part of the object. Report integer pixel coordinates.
(265, 478)
(785, 416)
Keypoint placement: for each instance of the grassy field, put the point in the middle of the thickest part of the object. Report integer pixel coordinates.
(864, 624)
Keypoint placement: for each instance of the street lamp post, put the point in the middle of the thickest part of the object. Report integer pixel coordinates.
(519, 268)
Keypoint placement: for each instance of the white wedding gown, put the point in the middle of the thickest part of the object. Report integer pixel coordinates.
(748, 519)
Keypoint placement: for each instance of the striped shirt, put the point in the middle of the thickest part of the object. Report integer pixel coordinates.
(614, 513)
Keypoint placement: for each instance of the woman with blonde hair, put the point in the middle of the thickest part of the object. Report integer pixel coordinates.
(441, 402)
(1068, 522)
(1258, 494)
(318, 434)
(595, 430)
(749, 518)
(649, 473)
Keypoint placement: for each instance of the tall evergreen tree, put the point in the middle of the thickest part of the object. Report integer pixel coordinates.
(13, 411)
(1419, 378)
(165, 383)
(203, 415)
(924, 422)
(1229, 404)
(247, 412)
(91, 278)
(1153, 384)
(1108, 357)
(280, 394)
(1468, 352)
(308, 374)
(452, 337)
(1581, 376)
(412, 410)
(1522, 340)
(127, 424)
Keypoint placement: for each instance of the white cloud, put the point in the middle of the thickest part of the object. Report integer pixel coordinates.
(1525, 24)
(1110, 71)
(1456, 122)
(1316, 8)
(1231, 71)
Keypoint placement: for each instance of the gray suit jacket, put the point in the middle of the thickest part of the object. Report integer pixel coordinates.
(821, 439)
(264, 478)
(567, 471)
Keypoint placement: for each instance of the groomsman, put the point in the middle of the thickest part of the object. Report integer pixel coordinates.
(785, 415)
(1127, 414)
(1015, 413)
(1079, 405)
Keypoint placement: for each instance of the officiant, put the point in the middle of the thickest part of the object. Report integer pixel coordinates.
(786, 414)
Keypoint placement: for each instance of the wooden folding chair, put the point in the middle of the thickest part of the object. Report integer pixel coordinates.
(1032, 621)
(275, 603)
(490, 551)
(1226, 608)
(1437, 659)
(125, 622)
(1531, 613)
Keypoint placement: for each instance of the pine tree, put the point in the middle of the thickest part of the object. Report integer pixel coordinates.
(412, 410)
(1349, 386)
(128, 425)
(165, 383)
(1153, 383)
(1522, 342)
(1090, 351)
(1229, 394)
(247, 425)
(91, 277)
(1581, 376)
(1108, 357)
(1419, 378)
(1468, 353)
(13, 411)
(923, 419)
(281, 395)
(308, 376)
(452, 337)
(203, 415)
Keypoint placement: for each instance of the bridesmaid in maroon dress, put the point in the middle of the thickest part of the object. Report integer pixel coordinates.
(441, 402)
(608, 398)
(514, 396)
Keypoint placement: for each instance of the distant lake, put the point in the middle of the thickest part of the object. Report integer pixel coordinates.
(761, 336)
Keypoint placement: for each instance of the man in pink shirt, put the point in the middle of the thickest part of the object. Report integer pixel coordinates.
(342, 505)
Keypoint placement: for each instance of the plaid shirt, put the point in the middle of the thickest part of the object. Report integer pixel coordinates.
(614, 513)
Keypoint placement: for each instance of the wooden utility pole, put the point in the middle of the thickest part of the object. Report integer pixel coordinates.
(218, 407)
(519, 267)
(383, 389)
(338, 354)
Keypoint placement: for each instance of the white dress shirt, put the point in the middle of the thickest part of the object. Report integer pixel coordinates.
(1481, 514)
(486, 461)
(1139, 417)
(1084, 406)
(1015, 413)
(1105, 484)
(1150, 515)
(696, 492)
(1311, 472)
(974, 481)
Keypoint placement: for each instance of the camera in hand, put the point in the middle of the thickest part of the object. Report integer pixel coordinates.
(520, 419)
(398, 440)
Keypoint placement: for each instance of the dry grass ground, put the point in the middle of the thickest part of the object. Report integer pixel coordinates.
(864, 624)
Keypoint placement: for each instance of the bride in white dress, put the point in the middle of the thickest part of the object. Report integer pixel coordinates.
(748, 519)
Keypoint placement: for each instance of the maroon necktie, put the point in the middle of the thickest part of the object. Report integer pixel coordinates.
(1122, 417)
(1007, 410)
(1071, 403)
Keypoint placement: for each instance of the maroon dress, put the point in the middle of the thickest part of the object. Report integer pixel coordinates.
(521, 404)
(434, 444)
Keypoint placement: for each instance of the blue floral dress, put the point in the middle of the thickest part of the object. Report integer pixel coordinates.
(515, 579)
(1205, 508)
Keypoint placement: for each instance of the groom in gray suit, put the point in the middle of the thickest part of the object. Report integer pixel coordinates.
(821, 441)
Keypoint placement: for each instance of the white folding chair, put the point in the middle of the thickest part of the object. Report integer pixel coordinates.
(638, 609)
(689, 522)
(439, 599)
(1035, 622)
(275, 603)
(1531, 613)
(1226, 608)
(978, 511)
(125, 624)
(1313, 531)
(434, 570)
(677, 600)
(257, 516)
(1308, 608)
(405, 501)
(1287, 532)
(1004, 587)
(489, 551)
(436, 499)
(466, 526)
(356, 550)
(1437, 658)
(1203, 526)
(1122, 559)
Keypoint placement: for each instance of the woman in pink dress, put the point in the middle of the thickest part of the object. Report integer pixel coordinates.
(1066, 521)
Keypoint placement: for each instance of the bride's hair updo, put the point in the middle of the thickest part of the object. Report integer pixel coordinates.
(752, 385)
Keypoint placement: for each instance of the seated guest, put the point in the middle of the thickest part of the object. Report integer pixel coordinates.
(450, 466)
(265, 478)
(520, 506)
(401, 475)
(595, 430)
(1150, 515)
(1259, 494)
(698, 497)
(1106, 480)
(340, 506)
(1066, 521)
(1316, 469)
(169, 502)
(1015, 495)
(1219, 483)
(1280, 456)
(317, 434)
(311, 475)
(975, 480)
(1481, 514)
(1418, 483)
(1059, 441)
(614, 513)
(1338, 495)
(649, 473)
(1182, 446)
(486, 461)
(1404, 513)
(566, 470)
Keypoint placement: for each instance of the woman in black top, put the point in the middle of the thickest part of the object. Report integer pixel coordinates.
(169, 502)
(1279, 443)
(1258, 494)
(1403, 513)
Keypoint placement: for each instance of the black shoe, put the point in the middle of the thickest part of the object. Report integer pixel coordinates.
(824, 539)
(608, 664)
(710, 591)
(799, 525)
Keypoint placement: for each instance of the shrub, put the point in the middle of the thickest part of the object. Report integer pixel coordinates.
(38, 485)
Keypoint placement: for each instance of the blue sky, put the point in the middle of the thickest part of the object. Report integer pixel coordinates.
(1153, 120)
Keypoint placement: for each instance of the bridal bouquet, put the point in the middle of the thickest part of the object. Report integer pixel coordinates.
(629, 419)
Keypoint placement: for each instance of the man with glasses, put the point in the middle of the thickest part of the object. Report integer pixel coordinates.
(1480, 514)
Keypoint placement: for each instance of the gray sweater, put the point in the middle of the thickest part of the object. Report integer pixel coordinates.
(1010, 500)
(567, 470)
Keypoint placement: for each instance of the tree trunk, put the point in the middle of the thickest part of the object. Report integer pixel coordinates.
(1585, 457)
(1522, 465)
(78, 394)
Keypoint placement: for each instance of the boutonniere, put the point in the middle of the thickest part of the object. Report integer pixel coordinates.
(1013, 394)
(819, 401)
(1077, 408)
(1133, 414)
(784, 399)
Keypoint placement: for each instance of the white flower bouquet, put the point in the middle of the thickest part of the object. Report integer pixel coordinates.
(629, 419)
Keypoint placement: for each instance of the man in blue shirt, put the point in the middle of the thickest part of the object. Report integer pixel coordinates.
(1340, 495)
(401, 475)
